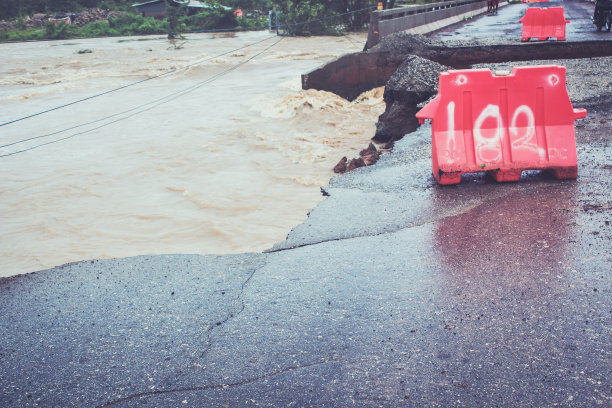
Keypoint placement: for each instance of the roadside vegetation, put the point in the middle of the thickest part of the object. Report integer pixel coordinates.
(120, 18)
(23, 20)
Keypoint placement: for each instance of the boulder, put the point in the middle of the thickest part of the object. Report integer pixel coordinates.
(414, 82)
(370, 155)
(341, 166)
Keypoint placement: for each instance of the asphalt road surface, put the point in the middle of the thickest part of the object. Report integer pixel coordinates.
(396, 292)
(506, 26)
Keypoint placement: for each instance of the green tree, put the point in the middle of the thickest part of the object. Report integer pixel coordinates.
(248, 4)
(355, 12)
(306, 17)
(309, 17)
(9, 9)
(174, 10)
(57, 31)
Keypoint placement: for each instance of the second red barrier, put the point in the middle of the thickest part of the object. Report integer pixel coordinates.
(543, 23)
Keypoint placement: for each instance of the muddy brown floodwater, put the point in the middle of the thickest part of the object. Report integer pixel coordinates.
(190, 162)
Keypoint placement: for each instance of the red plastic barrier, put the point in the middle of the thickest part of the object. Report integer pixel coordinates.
(502, 123)
(543, 23)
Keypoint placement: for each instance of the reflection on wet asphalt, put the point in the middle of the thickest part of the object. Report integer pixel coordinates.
(505, 26)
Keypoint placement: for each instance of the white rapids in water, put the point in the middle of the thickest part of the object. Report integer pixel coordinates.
(190, 162)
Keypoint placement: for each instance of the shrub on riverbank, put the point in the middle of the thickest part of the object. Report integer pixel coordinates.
(127, 24)
(304, 17)
(322, 17)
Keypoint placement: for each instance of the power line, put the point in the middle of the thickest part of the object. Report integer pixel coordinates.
(174, 70)
(128, 85)
(85, 99)
(153, 104)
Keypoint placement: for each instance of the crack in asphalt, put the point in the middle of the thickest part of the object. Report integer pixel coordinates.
(230, 315)
(393, 231)
(236, 308)
(218, 386)
(271, 251)
(436, 218)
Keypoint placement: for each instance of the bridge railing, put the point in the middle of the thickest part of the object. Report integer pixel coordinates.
(385, 22)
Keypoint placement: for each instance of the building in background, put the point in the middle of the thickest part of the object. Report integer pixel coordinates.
(157, 8)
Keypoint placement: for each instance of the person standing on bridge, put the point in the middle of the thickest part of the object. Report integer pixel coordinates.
(492, 6)
(599, 17)
(273, 20)
(388, 4)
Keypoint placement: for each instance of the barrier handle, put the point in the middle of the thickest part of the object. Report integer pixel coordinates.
(429, 110)
(580, 113)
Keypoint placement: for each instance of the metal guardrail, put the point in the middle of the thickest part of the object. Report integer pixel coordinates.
(403, 11)
(385, 22)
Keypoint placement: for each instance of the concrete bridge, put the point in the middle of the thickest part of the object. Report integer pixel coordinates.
(421, 18)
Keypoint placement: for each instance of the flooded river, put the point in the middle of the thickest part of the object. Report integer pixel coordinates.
(222, 153)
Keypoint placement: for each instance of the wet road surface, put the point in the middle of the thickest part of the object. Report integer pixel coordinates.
(505, 26)
(395, 292)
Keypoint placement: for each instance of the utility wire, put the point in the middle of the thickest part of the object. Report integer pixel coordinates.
(153, 104)
(130, 110)
(85, 99)
(174, 70)
(128, 85)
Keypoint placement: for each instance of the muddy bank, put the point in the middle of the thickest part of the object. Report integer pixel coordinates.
(39, 20)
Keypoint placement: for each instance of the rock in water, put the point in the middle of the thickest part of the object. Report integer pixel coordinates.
(341, 166)
(367, 157)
